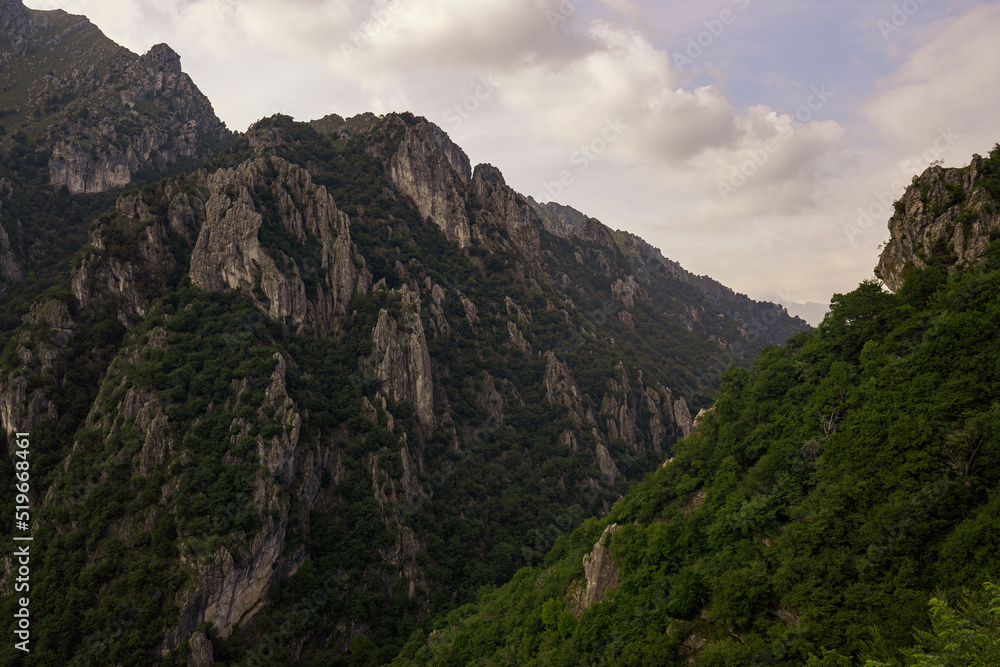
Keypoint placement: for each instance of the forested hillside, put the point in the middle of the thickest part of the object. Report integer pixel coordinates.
(835, 488)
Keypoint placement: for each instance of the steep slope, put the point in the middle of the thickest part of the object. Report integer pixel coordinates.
(321, 389)
(59, 70)
(699, 302)
(832, 489)
(80, 114)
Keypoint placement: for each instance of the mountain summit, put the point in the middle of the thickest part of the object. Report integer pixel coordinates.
(101, 114)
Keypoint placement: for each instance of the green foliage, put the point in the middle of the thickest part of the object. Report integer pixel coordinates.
(836, 484)
(989, 173)
(964, 635)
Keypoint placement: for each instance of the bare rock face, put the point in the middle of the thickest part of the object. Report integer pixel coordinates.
(430, 169)
(402, 360)
(605, 463)
(504, 208)
(47, 331)
(229, 254)
(561, 389)
(518, 340)
(945, 217)
(15, 25)
(103, 273)
(126, 113)
(113, 114)
(225, 214)
(200, 651)
(682, 417)
(601, 572)
(626, 291)
(230, 591)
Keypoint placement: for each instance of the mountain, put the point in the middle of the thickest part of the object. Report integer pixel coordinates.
(80, 114)
(742, 325)
(810, 311)
(295, 392)
(834, 490)
(102, 114)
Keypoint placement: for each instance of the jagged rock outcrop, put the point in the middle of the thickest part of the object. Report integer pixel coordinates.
(601, 573)
(15, 25)
(432, 170)
(11, 269)
(945, 217)
(561, 389)
(130, 279)
(44, 336)
(402, 362)
(682, 417)
(626, 291)
(228, 592)
(200, 651)
(504, 208)
(229, 253)
(226, 213)
(605, 464)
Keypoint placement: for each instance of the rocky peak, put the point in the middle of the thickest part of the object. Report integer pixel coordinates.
(425, 165)
(161, 54)
(946, 217)
(109, 116)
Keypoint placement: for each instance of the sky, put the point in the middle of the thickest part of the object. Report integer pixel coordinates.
(760, 142)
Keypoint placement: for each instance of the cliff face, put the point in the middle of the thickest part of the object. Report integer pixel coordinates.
(946, 217)
(430, 169)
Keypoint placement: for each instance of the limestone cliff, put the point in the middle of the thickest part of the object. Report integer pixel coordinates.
(425, 165)
(946, 217)
(402, 363)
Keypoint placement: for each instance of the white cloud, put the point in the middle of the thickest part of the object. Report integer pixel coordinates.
(951, 82)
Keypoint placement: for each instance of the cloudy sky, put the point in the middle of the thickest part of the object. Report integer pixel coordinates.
(761, 142)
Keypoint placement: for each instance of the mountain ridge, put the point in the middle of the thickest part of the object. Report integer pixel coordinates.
(333, 355)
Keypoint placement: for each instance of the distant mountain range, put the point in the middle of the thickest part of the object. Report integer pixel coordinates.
(810, 311)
